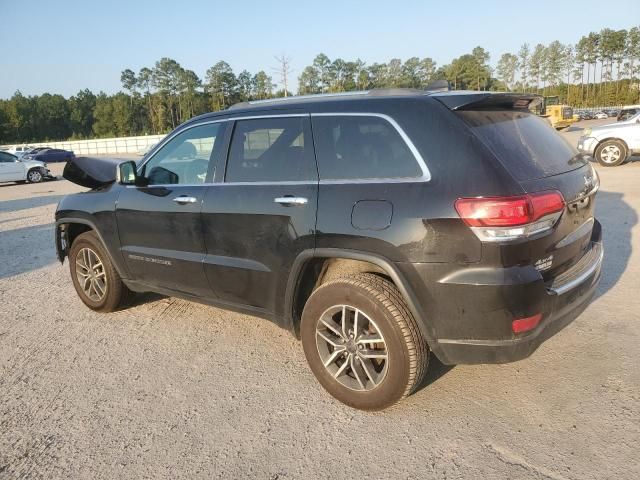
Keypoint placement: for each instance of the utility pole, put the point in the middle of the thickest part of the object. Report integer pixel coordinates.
(283, 69)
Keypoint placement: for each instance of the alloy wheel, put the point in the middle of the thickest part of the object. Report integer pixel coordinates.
(91, 274)
(610, 154)
(352, 348)
(35, 176)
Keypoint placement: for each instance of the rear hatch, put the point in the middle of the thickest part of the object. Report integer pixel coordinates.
(540, 160)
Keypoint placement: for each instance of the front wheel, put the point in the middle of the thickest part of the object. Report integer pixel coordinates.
(96, 281)
(34, 176)
(362, 343)
(611, 153)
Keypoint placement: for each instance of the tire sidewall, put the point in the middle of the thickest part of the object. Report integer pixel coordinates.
(395, 382)
(620, 161)
(90, 241)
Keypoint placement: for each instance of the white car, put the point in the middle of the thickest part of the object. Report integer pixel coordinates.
(601, 115)
(19, 150)
(12, 169)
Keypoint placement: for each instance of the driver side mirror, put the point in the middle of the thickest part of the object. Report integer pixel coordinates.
(126, 173)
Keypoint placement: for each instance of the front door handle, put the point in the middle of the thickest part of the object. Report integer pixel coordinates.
(289, 201)
(183, 200)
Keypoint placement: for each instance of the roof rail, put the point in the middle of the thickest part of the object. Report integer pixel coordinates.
(296, 98)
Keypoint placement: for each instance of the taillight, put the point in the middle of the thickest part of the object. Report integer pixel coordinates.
(507, 218)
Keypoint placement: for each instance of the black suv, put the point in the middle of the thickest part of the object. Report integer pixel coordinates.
(376, 226)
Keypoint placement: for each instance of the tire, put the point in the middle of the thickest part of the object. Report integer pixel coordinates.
(34, 176)
(106, 291)
(611, 153)
(395, 362)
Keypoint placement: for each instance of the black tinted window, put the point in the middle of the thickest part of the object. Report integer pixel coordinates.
(524, 143)
(361, 147)
(271, 150)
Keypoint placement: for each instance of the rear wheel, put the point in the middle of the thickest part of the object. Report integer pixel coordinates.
(362, 343)
(34, 175)
(611, 153)
(96, 282)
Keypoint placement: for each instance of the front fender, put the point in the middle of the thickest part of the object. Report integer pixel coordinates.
(94, 209)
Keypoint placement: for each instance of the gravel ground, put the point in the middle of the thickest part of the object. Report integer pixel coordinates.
(172, 389)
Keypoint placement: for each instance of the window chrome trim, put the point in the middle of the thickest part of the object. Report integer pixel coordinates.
(425, 177)
(426, 174)
(174, 134)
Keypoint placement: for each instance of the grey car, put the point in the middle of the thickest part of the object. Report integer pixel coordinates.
(612, 144)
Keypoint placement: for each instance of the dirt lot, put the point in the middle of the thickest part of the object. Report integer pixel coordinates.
(172, 389)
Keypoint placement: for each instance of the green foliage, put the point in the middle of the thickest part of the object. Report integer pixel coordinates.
(339, 75)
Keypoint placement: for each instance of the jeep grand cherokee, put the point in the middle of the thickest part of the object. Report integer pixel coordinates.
(378, 227)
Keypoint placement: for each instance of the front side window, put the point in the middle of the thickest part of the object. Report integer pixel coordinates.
(361, 147)
(7, 158)
(186, 157)
(274, 149)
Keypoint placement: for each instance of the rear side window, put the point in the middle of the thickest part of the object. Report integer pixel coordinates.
(275, 149)
(524, 143)
(361, 147)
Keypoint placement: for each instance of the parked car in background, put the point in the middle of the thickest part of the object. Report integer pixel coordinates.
(601, 115)
(343, 219)
(19, 150)
(13, 169)
(612, 113)
(35, 150)
(627, 112)
(51, 155)
(612, 144)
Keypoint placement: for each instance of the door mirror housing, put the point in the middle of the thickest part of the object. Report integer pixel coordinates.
(126, 173)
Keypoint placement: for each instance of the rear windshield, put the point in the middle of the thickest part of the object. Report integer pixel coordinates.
(524, 143)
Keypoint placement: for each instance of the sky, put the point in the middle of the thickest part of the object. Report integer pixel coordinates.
(64, 46)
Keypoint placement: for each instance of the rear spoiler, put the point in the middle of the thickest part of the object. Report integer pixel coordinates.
(470, 100)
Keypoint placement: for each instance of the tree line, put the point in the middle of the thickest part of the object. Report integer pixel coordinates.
(602, 68)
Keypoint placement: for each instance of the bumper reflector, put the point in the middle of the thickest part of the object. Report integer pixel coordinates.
(525, 324)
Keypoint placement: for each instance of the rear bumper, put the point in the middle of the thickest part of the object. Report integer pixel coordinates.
(562, 310)
(472, 312)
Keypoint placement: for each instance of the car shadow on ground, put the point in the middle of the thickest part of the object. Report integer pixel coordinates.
(436, 370)
(31, 202)
(617, 219)
(26, 249)
(139, 299)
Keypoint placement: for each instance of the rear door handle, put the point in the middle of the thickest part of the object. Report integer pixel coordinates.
(289, 201)
(183, 200)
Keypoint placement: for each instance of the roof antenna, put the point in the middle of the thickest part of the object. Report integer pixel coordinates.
(438, 86)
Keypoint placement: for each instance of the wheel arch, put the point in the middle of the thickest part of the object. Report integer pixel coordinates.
(67, 230)
(608, 139)
(309, 264)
